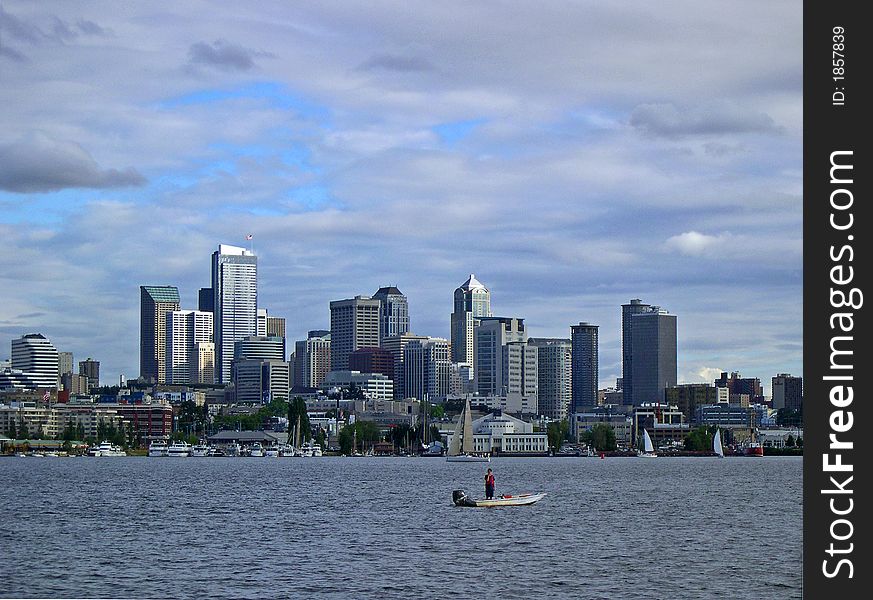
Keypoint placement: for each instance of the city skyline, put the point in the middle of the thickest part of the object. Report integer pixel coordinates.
(567, 174)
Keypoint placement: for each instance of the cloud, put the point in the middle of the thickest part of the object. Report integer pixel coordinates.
(692, 243)
(718, 118)
(221, 54)
(395, 62)
(12, 54)
(38, 163)
(92, 28)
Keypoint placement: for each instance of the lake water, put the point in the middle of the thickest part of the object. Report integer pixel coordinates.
(386, 528)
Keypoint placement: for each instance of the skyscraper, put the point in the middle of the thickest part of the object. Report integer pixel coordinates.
(472, 300)
(312, 359)
(635, 306)
(396, 345)
(554, 357)
(206, 300)
(155, 302)
(185, 330)
(505, 364)
(787, 392)
(65, 362)
(354, 324)
(652, 354)
(585, 339)
(426, 368)
(235, 291)
(37, 358)
(276, 328)
(393, 312)
(91, 370)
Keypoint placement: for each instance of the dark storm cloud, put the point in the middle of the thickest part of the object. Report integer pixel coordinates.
(667, 120)
(40, 164)
(393, 62)
(224, 55)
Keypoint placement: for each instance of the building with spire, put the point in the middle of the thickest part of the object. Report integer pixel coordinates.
(472, 301)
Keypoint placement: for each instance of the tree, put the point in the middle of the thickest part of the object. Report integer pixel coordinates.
(790, 441)
(437, 411)
(357, 434)
(601, 437)
(11, 433)
(297, 409)
(557, 432)
(699, 439)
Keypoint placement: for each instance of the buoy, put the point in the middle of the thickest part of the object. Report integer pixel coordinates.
(601, 455)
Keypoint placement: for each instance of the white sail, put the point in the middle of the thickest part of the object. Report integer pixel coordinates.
(455, 444)
(716, 443)
(647, 442)
(467, 446)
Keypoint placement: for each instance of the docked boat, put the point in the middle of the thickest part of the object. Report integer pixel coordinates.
(179, 449)
(461, 445)
(309, 449)
(460, 498)
(215, 452)
(106, 449)
(754, 447)
(158, 448)
(256, 450)
(272, 452)
(200, 450)
(648, 447)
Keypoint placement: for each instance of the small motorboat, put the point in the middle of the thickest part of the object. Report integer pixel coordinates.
(460, 498)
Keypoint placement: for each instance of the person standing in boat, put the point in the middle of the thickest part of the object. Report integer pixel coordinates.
(489, 484)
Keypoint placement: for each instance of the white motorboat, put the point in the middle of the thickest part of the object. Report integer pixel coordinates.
(179, 449)
(309, 449)
(272, 452)
(158, 448)
(460, 498)
(256, 450)
(106, 449)
(200, 450)
(461, 445)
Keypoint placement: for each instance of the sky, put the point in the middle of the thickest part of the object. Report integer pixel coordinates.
(573, 155)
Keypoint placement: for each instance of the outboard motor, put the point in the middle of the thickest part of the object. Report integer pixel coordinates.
(458, 497)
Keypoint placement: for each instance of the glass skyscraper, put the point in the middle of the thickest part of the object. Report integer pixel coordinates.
(235, 290)
(155, 302)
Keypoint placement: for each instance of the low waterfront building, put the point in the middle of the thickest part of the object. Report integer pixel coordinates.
(665, 423)
(778, 438)
(224, 439)
(621, 424)
(726, 416)
(499, 433)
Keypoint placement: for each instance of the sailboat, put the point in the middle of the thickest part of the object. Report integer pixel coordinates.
(648, 447)
(716, 444)
(462, 451)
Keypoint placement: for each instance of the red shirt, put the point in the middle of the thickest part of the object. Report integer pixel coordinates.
(489, 479)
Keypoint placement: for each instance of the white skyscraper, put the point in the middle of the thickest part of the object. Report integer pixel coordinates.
(185, 330)
(472, 300)
(38, 358)
(235, 289)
